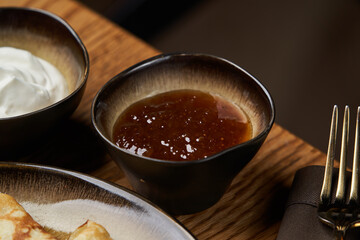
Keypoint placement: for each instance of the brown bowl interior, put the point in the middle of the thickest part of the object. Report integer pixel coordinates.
(172, 72)
(45, 36)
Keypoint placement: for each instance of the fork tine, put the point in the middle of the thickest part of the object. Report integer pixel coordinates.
(325, 194)
(355, 171)
(340, 191)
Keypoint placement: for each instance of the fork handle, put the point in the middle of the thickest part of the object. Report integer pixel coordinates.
(339, 233)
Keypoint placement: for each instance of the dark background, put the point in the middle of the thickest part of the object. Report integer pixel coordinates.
(307, 53)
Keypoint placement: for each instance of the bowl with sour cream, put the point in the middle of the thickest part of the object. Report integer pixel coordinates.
(43, 72)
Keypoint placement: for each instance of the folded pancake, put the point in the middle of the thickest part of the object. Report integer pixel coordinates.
(16, 223)
(90, 231)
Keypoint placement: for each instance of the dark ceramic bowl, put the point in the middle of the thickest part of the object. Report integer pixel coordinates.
(51, 38)
(189, 186)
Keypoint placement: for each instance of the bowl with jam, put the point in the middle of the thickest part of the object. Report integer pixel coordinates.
(181, 126)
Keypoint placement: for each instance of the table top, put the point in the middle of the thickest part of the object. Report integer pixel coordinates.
(252, 207)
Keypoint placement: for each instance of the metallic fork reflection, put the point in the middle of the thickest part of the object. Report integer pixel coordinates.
(341, 213)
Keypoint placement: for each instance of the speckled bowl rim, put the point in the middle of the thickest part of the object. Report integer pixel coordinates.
(81, 45)
(162, 57)
(113, 188)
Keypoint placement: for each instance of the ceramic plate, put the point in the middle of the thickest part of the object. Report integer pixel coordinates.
(62, 200)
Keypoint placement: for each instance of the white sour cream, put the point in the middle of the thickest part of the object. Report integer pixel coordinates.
(27, 83)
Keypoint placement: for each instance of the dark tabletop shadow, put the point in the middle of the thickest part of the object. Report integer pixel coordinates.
(275, 205)
(72, 145)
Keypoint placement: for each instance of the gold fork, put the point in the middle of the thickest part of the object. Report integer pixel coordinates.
(341, 213)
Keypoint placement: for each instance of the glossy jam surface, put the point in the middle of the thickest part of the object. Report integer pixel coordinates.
(181, 125)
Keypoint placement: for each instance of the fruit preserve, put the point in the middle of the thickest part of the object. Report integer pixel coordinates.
(181, 125)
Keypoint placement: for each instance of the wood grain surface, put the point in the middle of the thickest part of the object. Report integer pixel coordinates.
(253, 206)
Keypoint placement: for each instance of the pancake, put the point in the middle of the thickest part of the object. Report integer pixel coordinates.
(17, 224)
(90, 231)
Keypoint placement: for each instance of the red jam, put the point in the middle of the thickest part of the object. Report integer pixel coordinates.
(181, 125)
